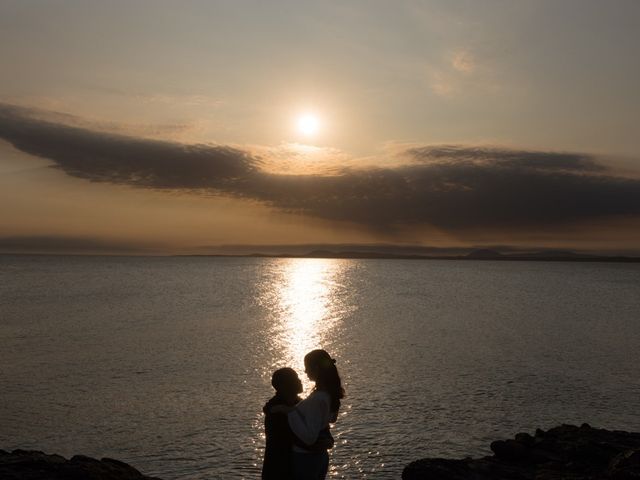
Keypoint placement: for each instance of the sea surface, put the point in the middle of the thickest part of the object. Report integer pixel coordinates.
(165, 363)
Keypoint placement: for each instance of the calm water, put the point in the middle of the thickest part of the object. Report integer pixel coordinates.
(165, 362)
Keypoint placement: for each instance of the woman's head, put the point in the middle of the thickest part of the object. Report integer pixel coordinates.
(321, 368)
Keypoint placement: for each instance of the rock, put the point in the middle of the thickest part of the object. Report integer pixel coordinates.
(525, 439)
(626, 466)
(510, 450)
(36, 465)
(566, 452)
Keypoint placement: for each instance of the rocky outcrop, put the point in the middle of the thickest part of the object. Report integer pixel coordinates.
(34, 465)
(566, 452)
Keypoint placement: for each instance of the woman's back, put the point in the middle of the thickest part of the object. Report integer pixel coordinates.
(310, 417)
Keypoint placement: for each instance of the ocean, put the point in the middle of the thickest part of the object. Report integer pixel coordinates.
(165, 362)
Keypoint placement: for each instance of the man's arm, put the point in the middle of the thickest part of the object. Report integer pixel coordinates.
(282, 409)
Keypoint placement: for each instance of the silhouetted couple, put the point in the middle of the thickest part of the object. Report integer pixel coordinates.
(297, 430)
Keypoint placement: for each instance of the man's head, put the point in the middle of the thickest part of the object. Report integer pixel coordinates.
(286, 382)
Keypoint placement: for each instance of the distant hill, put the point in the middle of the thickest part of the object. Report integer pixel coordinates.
(483, 253)
(480, 254)
(559, 254)
(412, 252)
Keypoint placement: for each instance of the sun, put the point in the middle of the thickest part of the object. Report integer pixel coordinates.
(308, 124)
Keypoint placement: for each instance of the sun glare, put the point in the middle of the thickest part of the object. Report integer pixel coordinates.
(308, 124)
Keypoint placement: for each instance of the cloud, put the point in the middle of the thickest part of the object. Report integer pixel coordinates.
(463, 62)
(119, 159)
(461, 73)
(454, 75)
(441, 84)
(454, 188)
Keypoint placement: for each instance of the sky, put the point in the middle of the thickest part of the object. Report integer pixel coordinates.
(182, 126)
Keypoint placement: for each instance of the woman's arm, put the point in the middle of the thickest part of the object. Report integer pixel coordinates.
(309, 418)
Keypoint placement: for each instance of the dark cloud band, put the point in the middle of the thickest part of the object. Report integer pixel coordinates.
(451, 187)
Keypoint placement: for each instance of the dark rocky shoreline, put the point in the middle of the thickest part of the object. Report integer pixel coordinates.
(35, 465)
(566, 452)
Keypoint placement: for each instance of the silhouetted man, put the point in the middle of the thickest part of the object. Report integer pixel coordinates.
(277, 453)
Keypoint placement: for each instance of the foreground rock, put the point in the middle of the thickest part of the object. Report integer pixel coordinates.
(33, 465)
(565, 452)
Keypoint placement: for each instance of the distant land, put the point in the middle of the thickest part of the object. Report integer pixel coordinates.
(417, 253)
(93, 247)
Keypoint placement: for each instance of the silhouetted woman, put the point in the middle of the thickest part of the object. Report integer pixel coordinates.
(311, 417)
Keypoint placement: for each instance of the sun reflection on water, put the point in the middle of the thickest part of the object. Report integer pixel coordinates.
(304, 295)
(306, 303)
